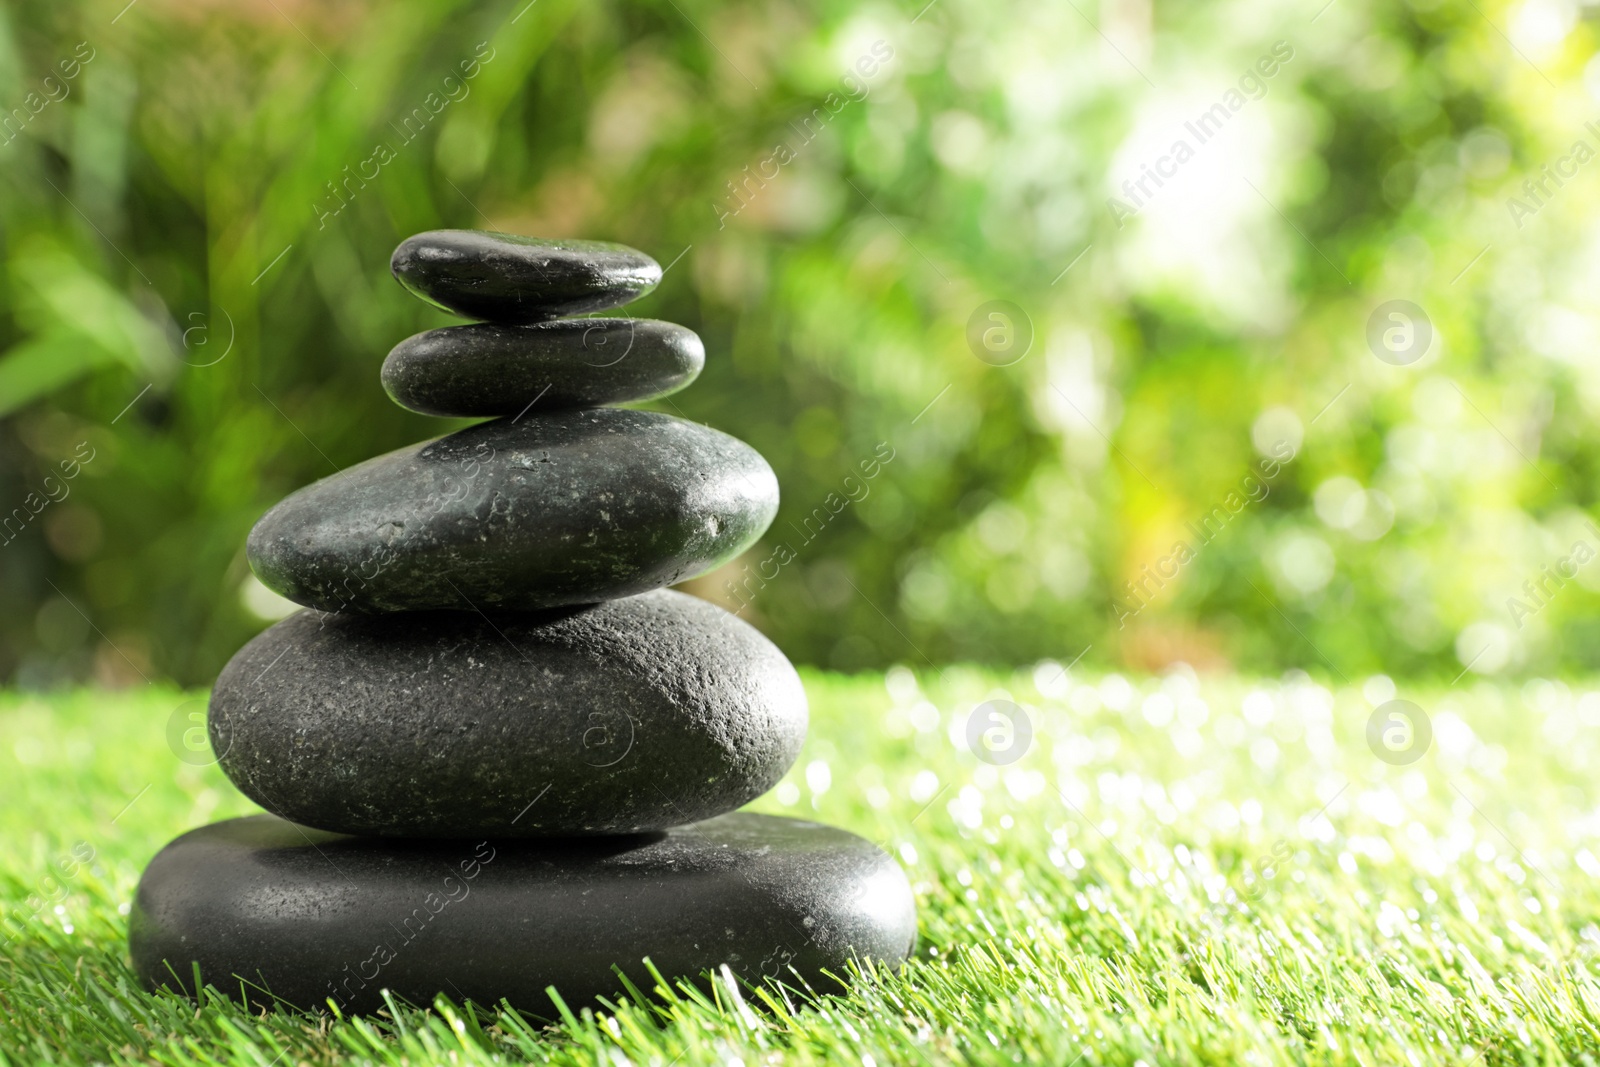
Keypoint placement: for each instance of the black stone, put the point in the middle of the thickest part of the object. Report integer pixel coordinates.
(632, 715)
(504, 277)
(485, 369)
(567, 508)
(275, 914)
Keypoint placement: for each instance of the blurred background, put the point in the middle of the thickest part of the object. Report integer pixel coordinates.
(1243, 336)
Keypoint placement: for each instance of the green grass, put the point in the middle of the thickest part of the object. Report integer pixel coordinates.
(1221, 873)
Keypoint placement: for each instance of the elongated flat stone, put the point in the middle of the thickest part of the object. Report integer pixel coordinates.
(632, 715)
(505, 277)
(485, 369)
(274, 914)
(569, 508)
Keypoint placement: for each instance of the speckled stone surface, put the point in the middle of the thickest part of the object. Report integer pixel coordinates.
(504, 277)
(263, 905)
(568, 508)
(636, 714)
(484, 369)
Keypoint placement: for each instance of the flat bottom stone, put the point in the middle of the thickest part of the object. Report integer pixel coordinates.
(274, 913)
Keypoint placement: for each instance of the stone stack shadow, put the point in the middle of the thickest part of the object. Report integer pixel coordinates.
(499, 756)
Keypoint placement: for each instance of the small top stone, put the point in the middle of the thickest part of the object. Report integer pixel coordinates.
(504, 277)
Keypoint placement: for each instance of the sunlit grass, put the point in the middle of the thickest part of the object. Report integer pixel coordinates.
(1177, 871)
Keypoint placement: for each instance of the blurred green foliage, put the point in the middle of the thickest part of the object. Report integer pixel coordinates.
(196, 223)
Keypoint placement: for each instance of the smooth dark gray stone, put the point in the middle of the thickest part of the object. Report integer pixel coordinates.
(504, 277)
(571, 507)
(485, 369)
(632, 715)
(262, 905)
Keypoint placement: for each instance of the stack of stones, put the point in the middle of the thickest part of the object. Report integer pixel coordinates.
(498, 755)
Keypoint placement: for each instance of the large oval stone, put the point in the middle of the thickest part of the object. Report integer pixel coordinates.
(504, 277)
(632, 715)
(486, 369)
(567, 508)
(274, 914)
